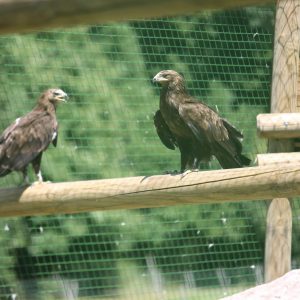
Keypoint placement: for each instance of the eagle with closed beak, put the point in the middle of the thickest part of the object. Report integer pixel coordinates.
(197, 130)
(25, 140)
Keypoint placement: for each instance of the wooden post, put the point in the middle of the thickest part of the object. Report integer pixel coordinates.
(286, 58)
(283, 100)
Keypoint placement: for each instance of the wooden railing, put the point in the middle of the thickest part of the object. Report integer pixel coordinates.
(26, 15)
(255, 183)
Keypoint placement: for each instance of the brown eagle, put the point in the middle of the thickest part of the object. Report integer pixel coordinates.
(197, 130)
(24, 141)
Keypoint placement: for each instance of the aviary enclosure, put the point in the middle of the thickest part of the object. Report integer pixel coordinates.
(132, 237)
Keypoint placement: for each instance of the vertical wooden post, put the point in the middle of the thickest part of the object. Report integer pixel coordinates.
(286, 57)
(283, 100)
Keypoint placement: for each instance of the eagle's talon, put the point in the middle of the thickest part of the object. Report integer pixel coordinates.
(175, 172)
(188, 172)
(36, 183)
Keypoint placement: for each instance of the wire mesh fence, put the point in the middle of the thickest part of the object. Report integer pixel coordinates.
(106, 130)
(168, 253)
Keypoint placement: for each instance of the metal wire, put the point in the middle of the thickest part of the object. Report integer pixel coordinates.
(106, 130)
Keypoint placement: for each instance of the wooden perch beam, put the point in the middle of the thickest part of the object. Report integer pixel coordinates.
(254, 183)
(26, 15)
(278, 158)
(278, 125)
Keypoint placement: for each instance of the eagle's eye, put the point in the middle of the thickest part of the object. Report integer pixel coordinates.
(56, 93)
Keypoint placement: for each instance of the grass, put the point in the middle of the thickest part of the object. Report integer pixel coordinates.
(134, 284)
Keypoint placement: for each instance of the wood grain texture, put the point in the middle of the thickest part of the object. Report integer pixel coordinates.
(298, 88)
(279, 126)
(253, 183)
(278, 158)
(283, 100)
(286, 287)
(286, 57)
(26, 15)
(278, 239)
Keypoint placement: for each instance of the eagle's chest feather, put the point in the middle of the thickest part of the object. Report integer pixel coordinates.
(169, 108)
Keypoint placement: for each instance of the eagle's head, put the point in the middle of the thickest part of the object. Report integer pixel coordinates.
(54, 96)
(167, 77)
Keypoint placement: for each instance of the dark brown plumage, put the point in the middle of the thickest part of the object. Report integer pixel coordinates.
(197, 130)
(24, 141)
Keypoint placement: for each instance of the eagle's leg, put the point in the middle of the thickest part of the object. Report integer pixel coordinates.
(195, 164)
(25, 177)
(36, 164)
(184, 161)
(191, 166)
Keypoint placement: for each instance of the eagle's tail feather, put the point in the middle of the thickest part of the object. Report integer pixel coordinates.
(245, 160)
(229, 153)
(229, 160)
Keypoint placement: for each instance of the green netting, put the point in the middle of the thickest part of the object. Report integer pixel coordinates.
(106, 131)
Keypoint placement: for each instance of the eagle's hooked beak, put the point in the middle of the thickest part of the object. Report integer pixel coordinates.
(159, 78)
(65, 97)
(62, 96)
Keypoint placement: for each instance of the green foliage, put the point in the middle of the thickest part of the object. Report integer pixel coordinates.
(106, 130)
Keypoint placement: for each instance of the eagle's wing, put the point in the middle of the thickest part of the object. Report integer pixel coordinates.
(203, 122)
(163, 131)
(55, 136)
(207, 126)
(23, 140)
